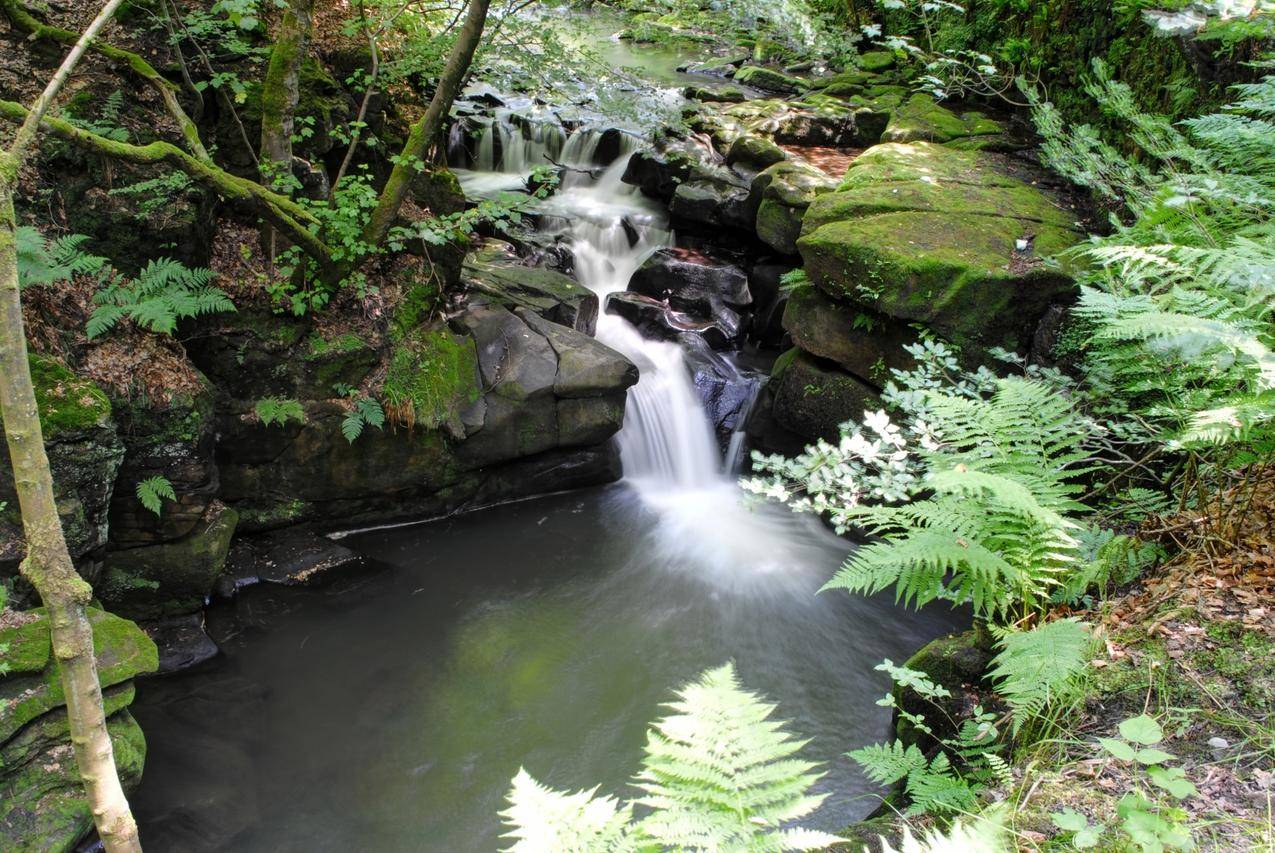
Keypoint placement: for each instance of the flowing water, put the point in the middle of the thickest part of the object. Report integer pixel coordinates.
(390, 711)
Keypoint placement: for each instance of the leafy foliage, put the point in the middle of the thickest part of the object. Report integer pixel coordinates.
(364, 411)
(1038, 667)
(153, 491)
(950, 781)
(1147, 815)
(719, 774)
(1179, 299)
(277, 410)
(47, 261)
(974, 499)
(164, 292)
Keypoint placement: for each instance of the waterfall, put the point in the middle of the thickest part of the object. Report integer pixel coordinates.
(667, 445)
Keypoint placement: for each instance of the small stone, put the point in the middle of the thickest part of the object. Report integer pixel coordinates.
(1219, 743)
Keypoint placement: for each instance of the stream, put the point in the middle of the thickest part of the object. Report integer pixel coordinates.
(389, 711)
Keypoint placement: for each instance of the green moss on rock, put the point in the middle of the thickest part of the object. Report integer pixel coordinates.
(433, 374)
(69, 404)
(170, 578)
(951, 271)
(769, 80)
(121, 649)
(42, 802)
(921, 118)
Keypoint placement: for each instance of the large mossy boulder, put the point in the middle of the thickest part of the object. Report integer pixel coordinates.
(84, 451)
(812, 398)
(769, 80)
(42, 803)
(863, 342)
(170, 578)
(925, 234)
(491, 388)
(782, 194)
(922, 119)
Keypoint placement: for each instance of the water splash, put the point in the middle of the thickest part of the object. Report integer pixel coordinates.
(667, 445)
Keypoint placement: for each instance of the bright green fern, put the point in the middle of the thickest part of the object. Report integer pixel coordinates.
(164, 292)
(44, 261)
(997, 527)
(1040, 667)
(153, 491)
(719, 774)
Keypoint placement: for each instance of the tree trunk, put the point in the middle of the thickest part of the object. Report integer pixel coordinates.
(412, 159)
(48, 563)
(280, 91)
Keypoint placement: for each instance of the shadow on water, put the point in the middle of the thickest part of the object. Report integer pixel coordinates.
(390, 712)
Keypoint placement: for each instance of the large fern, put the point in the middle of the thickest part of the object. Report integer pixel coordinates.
(997, 526)
(1179, 298)
(1038, 667)
(719, 774)
(164, 292)
(45, 261)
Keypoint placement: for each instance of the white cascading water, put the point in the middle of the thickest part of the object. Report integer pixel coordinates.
(667, 447)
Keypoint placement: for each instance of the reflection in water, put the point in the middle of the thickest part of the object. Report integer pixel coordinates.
(390, 714)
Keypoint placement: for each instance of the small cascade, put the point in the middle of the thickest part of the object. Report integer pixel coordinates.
(668, 447)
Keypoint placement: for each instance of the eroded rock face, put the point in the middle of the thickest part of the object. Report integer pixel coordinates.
(85, 453)
(42, 803)
(497, 384)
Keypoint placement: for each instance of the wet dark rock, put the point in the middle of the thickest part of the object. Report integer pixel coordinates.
(658, 175)
(713, 198)
(496, 272)
(182, 642)
(726, 391)
(172, 577)
(657, 319)
(723, 67)
(767, 434)
(813, 398)
(294, 556)
(691, 280)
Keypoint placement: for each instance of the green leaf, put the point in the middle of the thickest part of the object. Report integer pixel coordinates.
(1173, 780)
(1152, 756)
(1069, 820)
(1118, 748)
(1142, 729)
(1087, 838)
(352, 426)
(153, 491)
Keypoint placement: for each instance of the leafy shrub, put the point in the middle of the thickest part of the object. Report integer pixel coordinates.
(718, 775)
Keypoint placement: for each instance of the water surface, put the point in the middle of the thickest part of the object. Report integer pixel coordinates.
(388, 713)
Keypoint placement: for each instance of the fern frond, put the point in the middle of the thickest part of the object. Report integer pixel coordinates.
(543, 820)
(1033, 668)
(718, 772)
